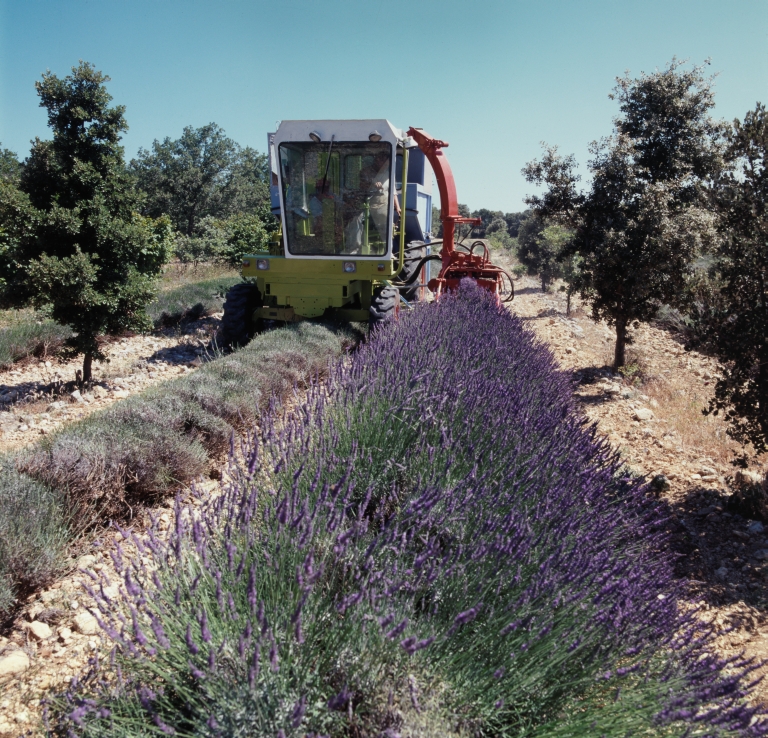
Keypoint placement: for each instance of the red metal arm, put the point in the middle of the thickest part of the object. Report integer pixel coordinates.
(455, 265)
(449, 204)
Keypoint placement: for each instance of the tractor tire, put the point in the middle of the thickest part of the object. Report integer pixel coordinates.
(237, 324)
(415, 251)
(384, 304)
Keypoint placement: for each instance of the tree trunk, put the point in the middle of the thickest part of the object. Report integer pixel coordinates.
(621, 343)
(762, 388)
(568, 303)
(87, 363)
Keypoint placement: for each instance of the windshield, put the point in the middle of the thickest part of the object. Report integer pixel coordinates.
(338, 204)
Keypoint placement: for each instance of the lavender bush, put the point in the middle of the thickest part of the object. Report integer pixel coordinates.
(140, 449)
(33, 535)
(434, 544)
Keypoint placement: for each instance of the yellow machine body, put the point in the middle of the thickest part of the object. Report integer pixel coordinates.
(295, 289)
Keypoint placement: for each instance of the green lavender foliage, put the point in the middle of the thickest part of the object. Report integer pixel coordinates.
(26, 333)
(189, 301)
(34, 532)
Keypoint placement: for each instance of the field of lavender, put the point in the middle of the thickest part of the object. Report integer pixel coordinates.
(433, 544)
(132, 454)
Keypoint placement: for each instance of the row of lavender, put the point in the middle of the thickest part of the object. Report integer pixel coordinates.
(433, 544)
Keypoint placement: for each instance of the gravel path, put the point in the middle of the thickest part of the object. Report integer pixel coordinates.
(37, 397)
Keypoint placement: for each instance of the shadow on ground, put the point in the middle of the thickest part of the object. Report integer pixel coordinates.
(723, 554)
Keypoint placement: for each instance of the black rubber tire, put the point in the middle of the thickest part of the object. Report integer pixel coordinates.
(415, 251)
(237, 324)
(384, 303)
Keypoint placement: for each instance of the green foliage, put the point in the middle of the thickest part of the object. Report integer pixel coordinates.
(72, 238)
(437, 224)
(644, 216)
(33, 535)
(502, 240)
(223, 241)
(733, 318)
(541, 247)
(494, 221)
(142, 448)
(10, 166)
(246, 234)
(206, 245)
(202, 174)
(27, 332)
(188, 301)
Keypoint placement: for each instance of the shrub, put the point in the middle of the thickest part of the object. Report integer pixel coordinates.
(33, 535)
(28, 333)
(138, 450)
(246, 234)
(205, 244)
(190, 301)
(111, 461)
(434, 539)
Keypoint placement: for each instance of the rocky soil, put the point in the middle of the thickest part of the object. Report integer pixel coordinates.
(37, 397)
(55, 635)
(651, 414)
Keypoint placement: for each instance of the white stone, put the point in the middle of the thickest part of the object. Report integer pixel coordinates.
(86, 562)
(643, 413)
(40, 631)
(76, 396)
(86, 624)
(65, 633)
(13, 663)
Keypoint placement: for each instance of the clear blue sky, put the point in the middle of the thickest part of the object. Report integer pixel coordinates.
(492, 77)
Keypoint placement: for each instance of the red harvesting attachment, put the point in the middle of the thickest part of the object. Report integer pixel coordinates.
(457, 264)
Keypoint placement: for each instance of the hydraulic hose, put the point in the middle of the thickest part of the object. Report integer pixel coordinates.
(415, 275)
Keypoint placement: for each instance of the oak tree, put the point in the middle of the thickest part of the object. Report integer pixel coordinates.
(202, 174)
(72, 239)
(734, 320)
(644, 216)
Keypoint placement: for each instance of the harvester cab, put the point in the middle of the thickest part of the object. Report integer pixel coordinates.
(354, 203)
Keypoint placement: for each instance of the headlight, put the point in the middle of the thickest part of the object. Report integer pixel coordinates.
(246, 263)
(349, 266)
(262, 263)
